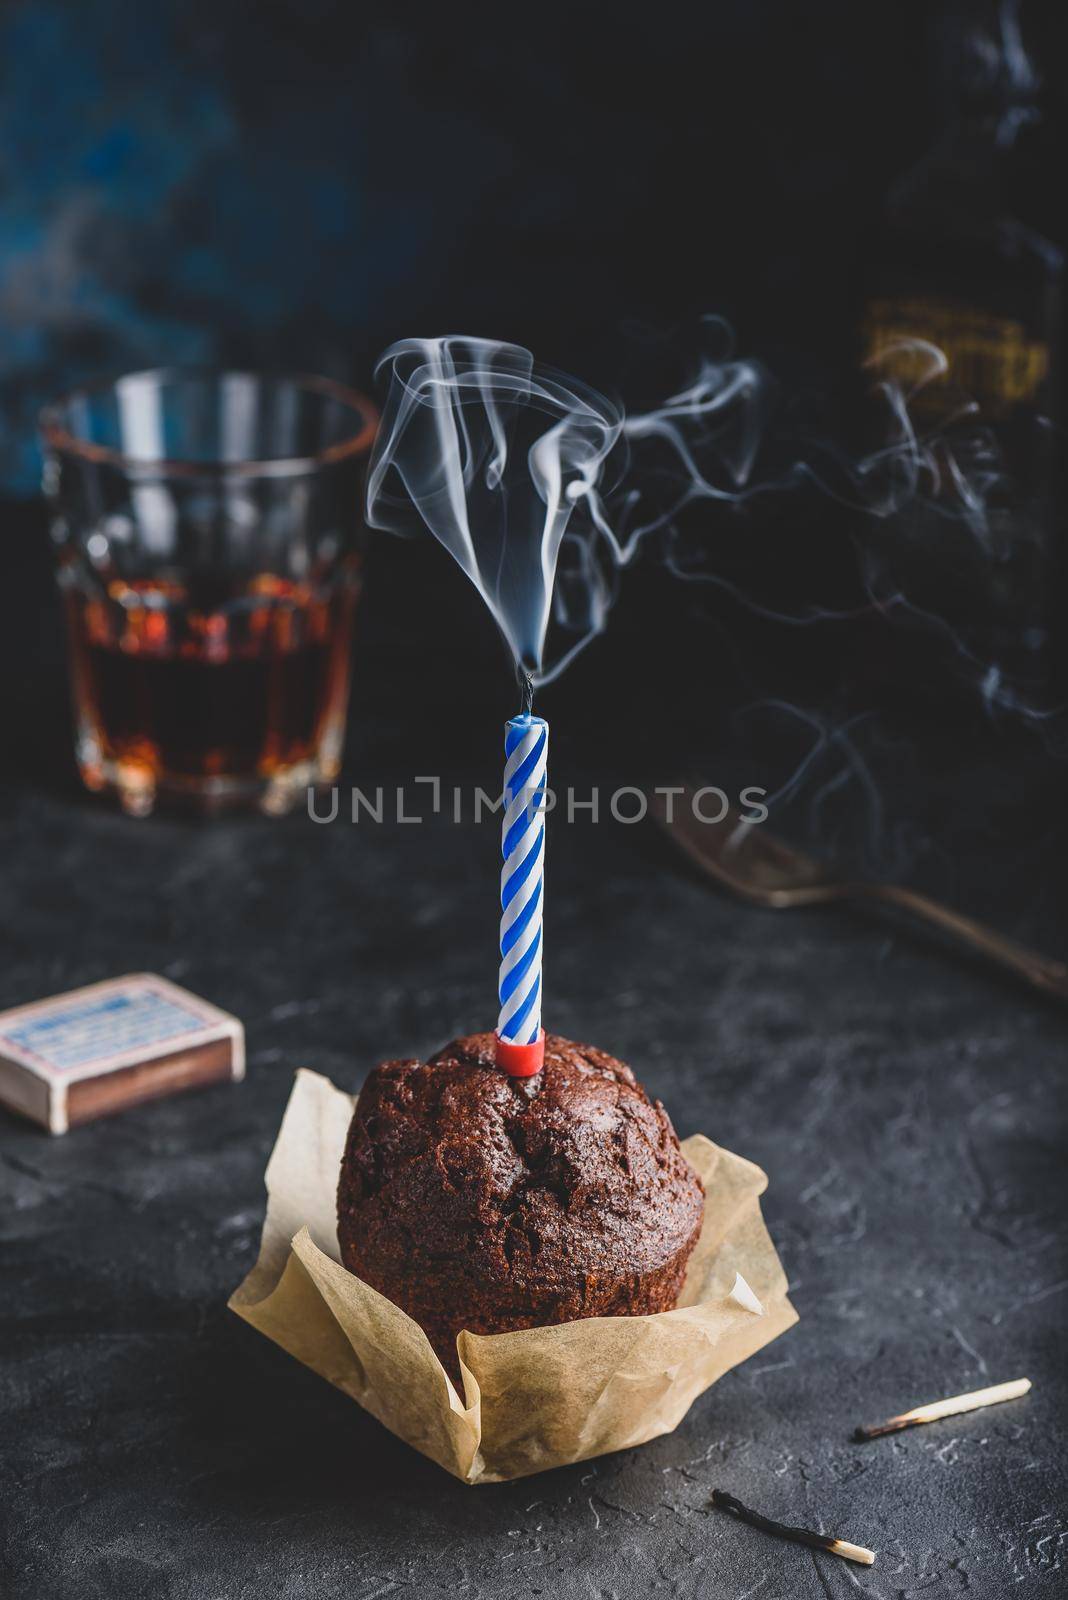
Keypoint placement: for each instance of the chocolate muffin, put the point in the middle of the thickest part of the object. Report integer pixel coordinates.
(479, 1201)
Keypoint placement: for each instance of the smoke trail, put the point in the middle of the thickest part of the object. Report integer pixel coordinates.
(699, 444)
(543, 491)
(500, 459)
(522, 505)
(929, 500)
(709, 435)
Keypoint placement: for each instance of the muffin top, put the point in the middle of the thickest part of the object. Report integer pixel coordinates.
(569, 1175)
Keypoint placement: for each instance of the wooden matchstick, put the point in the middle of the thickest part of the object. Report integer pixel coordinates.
(782, 1530)
(948, 1408)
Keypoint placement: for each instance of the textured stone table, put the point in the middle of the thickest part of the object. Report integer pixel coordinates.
(907, 1107)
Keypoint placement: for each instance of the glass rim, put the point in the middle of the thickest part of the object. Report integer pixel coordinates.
(57, 437)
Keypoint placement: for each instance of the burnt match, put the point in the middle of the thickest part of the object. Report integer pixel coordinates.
(782, 1530)
(948, 1408)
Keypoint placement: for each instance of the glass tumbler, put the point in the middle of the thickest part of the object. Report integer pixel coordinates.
(208, 536)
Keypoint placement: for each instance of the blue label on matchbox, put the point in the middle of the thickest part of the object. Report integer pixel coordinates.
(101, 1028)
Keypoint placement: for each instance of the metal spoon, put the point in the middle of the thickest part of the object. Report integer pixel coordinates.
(763, 870)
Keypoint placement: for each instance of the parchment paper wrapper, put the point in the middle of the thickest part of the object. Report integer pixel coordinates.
(538, 1398)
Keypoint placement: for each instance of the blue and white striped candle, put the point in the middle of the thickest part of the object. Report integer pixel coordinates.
(526, 743)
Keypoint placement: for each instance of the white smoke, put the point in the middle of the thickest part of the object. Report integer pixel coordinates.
(703, 444)
(542, 490)
(934, 487)
(500, 458)
(700, 444)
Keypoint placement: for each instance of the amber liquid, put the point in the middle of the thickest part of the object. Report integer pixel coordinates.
(190, 689)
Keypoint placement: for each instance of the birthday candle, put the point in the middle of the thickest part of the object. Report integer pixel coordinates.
(526, 741)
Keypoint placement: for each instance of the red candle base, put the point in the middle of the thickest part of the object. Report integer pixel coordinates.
(521, 1060)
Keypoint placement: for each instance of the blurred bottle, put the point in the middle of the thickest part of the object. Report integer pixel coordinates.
(954, 266)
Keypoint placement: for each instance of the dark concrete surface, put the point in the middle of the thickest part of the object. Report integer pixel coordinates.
(907, 1107)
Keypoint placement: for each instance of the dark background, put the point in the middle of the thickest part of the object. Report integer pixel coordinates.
(305, 182)
(300, 184)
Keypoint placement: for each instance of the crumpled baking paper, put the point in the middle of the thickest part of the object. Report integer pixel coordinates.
(533, 1399)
